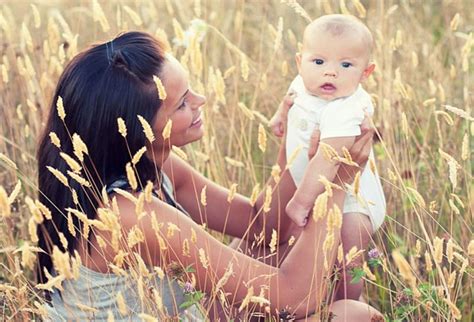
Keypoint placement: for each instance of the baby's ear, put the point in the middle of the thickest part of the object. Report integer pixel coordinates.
(367, 71)
(298, 60)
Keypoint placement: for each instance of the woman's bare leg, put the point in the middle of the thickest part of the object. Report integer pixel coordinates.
(342, 310)
(356, 231)
(350, 311)
(354, 311)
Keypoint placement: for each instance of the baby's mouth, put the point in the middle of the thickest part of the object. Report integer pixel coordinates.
(328, 87)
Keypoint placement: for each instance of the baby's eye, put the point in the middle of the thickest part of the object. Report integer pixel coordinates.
(318, 61)
(346, 64)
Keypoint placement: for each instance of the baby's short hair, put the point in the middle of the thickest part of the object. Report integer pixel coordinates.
(338, 24)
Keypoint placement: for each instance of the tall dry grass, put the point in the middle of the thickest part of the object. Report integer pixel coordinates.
(422, 88)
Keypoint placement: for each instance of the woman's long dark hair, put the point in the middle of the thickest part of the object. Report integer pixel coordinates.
(99, 85)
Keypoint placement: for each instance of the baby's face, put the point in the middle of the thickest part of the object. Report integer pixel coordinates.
(333, 66)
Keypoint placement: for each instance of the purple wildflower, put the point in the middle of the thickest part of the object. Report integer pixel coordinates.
(188, 287)
(374, 253)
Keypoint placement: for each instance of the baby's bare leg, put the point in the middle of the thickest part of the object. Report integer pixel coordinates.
(356, 231)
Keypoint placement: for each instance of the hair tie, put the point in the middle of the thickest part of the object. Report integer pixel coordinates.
(110, 50)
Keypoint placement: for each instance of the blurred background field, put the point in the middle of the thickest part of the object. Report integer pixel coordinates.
(241, 55)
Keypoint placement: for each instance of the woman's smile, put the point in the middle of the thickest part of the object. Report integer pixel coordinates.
(197, 121)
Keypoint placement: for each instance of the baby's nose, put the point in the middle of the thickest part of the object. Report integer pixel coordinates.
(330, 72)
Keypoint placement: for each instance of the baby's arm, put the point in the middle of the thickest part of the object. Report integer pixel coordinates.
(303, 200)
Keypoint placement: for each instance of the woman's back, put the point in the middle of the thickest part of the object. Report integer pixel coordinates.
(99, 291)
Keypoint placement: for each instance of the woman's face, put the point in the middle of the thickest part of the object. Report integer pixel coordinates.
(182, 106)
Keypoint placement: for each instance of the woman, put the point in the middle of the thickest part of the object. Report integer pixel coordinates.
(116, 80)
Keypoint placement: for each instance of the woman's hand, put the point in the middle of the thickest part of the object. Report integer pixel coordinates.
(279, 120)
(359, 151)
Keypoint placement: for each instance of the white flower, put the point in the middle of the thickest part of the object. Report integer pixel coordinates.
(197, 30)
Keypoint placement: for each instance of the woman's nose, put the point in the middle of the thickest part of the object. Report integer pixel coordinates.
(199, 100)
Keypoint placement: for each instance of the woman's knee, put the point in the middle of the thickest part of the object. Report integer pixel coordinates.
(354, 311)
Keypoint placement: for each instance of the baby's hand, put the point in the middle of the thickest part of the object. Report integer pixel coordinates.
(276, 123)
(298, 213)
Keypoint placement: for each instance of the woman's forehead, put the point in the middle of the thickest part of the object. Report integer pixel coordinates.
(175, 80)
(172, 71)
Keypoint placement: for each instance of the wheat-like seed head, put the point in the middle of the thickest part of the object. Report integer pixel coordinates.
(247, 112)
(254, 194)
(59, 175)
(122, 128)
(179, 152)
(246, 299)
(403, 266)
(8, 161)
(99, 16)
(320, 206)
(204, 196)
(70, 225)
(160, 88)
(133, 15)
(83, 182)
(203, 258)
(54, 139)
(454, 310)
(244, 67)
(232, 192)
(122, 306)
(273, 241)
(139, 206)
(53, 282)
(438, 250)
(146, 129)
(262, 137)
(79, 147)
(171, 229)
(368, 272)
(135, 236)
(132, 179)
(5, 210)
(158, 300)
(138, 155)
(60, 108)
(73, 164)
(268, 199)
(167, 129)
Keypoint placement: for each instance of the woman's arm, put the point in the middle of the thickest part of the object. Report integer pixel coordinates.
(235, 218)
(298, 283)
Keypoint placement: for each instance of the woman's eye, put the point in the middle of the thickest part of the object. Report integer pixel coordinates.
(318, 61)
(183, 104)
(346, 64)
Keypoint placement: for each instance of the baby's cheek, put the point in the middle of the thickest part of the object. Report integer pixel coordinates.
(313, 87)
(311, 79)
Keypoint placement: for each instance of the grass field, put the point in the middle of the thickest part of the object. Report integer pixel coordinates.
(240, 54)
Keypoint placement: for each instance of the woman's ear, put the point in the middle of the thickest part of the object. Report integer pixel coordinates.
(298, 61)
(367, 71)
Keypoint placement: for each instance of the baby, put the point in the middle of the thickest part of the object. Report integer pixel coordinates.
(334, 60)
